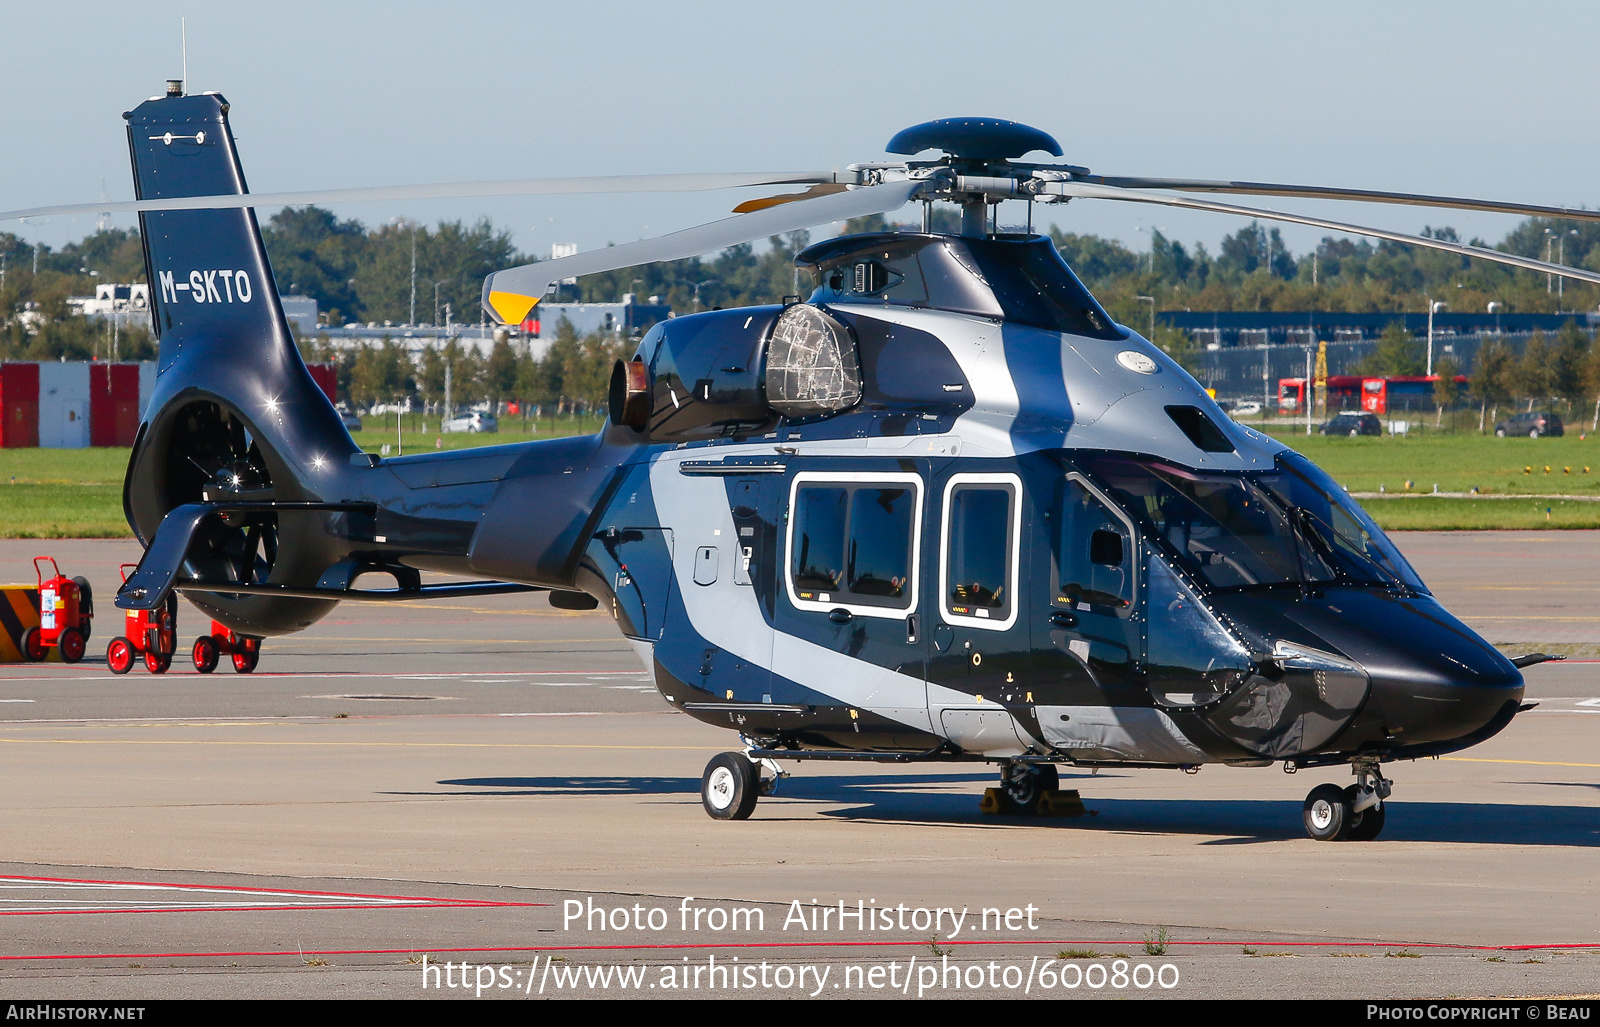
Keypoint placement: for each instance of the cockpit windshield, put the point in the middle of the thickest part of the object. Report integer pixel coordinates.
(1021, 280)
(1289, 526)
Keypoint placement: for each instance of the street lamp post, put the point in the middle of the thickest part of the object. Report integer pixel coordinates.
(1152, 230)
(1561, 258)
(1152, 301)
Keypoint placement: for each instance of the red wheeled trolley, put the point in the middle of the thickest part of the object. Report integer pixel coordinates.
(152, 634)
(66, 608)
(245, 650)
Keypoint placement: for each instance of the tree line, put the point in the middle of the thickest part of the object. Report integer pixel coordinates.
(365, 274)
(571, 377)
(1560, 370)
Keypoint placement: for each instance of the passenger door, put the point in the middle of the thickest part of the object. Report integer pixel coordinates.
(1092, 626)
(978, 673)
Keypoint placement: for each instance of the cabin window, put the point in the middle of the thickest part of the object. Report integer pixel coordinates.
(853, 543)
(1094, 553)
(982, 526)
(819, 531)
(879, 564)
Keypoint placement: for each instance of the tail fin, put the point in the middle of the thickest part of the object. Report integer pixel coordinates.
(215, 305)
(234, 412)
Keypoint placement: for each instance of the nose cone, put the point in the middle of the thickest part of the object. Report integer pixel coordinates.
(1433, 680)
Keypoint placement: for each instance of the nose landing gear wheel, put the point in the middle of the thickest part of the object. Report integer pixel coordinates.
(730, 787)
(1327, 813)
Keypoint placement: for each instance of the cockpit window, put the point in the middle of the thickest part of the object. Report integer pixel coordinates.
(1342, 533)
(1286, 526)
(1023, 281)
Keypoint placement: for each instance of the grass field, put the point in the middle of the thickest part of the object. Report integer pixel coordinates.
(1456, 463)
(77, 493)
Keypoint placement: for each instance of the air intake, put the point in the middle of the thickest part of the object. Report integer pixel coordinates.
(1200, 429)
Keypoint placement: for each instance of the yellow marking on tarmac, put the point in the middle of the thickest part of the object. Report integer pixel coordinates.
(1566, 586)
(1490, 616)
(1530, 763)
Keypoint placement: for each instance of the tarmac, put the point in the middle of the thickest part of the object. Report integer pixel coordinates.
(493, 781)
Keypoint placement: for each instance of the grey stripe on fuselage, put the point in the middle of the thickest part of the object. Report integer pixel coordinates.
(1104, 404)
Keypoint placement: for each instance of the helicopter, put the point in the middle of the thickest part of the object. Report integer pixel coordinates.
(943, 509)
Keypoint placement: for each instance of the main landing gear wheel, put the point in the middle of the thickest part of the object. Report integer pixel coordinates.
(245, 662)
(1021, 785)
(119, 655)
(730, 786)
(1368, 823)
(205, 654)
(1327, 813)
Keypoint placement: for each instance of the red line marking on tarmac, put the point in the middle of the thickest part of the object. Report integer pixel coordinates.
(377, 901)
(795, 945)
(425, 904)
(355, 674)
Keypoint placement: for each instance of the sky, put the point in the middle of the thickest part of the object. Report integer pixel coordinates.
(1491, 100)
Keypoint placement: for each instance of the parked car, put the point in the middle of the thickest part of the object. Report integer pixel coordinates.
(475, 421)
(351, 421)
(1249, 408)
(1353, 423)
(1532, 424)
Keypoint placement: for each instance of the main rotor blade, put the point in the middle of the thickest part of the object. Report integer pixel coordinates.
(510, 294)
(1317, 192)
(1100, 192)
(446, 190)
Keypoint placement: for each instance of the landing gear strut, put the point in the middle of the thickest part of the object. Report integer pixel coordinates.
(1021, 785)
(1355, 813)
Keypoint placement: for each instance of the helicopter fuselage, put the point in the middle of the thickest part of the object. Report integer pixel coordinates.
(977, 583)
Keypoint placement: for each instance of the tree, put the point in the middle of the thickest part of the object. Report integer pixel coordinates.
(1567, 360)
(1093, 258)
(1535, 375)
(315, 254)
(500, 372)
(1445, 390)
(1398, 353)
(382, 374)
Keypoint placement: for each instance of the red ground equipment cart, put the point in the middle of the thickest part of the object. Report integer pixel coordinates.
(152, 634)
(245, 650)
(66, 608)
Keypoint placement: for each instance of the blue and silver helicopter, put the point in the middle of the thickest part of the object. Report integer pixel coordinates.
(944, 508)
